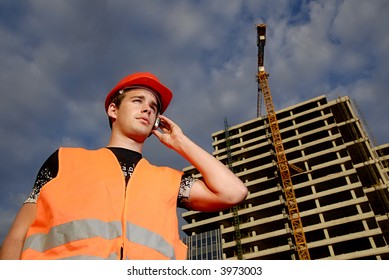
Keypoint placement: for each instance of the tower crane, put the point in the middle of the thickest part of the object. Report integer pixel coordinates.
(263, 89)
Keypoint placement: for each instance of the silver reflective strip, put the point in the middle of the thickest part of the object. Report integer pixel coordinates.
(112, 256)
(150, 239)
(73, 231)
(84, 229)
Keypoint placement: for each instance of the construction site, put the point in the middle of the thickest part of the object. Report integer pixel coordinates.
(317, 181)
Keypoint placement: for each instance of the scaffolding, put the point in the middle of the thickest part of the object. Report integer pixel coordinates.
(235, 209)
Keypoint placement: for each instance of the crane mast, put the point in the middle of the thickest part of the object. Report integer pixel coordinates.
(263, 88)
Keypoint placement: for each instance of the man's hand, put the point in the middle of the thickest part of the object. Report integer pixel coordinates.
(170, 133)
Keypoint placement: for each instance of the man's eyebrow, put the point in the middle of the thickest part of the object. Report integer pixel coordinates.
(141, 96)
(137, 96)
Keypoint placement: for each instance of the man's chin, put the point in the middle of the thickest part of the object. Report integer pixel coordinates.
(141, 136)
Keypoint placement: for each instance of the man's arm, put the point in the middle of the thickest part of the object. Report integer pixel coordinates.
(220, 188)
(14, 241)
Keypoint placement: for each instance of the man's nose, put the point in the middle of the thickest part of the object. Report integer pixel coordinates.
(146, 109)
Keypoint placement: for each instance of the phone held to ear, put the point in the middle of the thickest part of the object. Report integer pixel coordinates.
(156, 124)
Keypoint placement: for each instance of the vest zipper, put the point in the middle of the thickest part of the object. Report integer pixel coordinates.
(124, 221)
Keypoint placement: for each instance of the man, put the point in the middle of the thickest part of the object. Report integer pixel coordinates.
(111, 203)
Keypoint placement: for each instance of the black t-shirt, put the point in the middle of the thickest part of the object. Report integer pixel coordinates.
(127, 159)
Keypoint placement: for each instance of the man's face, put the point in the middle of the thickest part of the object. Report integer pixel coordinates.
(136, 114)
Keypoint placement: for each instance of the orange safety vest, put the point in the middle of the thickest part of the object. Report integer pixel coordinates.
(87, 211)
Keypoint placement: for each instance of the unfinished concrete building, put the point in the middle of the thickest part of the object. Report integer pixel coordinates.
(340, 180)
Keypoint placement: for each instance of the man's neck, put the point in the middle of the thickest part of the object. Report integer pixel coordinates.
(126, 143)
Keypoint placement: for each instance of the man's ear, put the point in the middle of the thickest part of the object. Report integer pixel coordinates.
(112, 111)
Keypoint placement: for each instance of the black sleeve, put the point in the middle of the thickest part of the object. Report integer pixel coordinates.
(47, 172)
(184, 192)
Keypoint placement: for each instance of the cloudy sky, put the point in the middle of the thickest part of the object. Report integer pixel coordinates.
(59, 59)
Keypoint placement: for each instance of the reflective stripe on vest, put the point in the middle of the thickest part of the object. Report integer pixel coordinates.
(75, 230)
(83, 229)
(150, 239)
(112, 256)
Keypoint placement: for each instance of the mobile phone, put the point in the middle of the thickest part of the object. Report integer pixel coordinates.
(156, 124)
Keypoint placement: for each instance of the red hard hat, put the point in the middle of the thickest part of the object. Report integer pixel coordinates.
(142, 79)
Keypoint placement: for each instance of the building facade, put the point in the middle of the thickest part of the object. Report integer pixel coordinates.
(340, 180)
(205, 246)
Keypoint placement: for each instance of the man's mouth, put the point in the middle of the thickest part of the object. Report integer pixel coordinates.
(145, 120)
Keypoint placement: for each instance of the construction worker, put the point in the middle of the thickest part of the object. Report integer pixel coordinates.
(111, 203)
